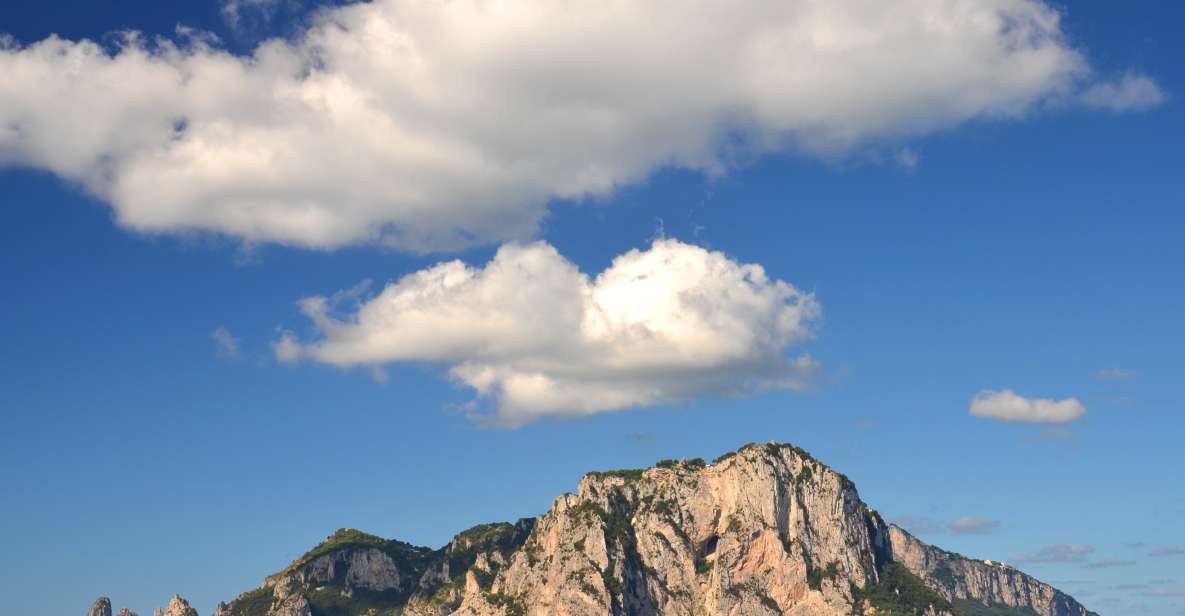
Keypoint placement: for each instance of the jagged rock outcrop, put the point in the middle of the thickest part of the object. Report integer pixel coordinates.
(764, 530)
(177, 607)
(101, 607)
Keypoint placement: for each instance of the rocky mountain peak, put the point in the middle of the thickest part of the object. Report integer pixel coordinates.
(764, 530)
(177, 607)
(101, 607)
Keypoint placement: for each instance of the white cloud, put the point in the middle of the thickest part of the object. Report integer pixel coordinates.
(225, 343)
(537, 337)
(1007, 405)
(1061, 553)
(433, 125)
(970, 525)
(1134, 92)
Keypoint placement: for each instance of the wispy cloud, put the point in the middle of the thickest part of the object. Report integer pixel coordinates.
(1110, 563)
(1162, 552)
(919, 525)
(226, 345)
(1133, 92)
(238, 13)
(907, 158)
(970, 525)
(1114, 374)
(1061, 553)
(1166, 591)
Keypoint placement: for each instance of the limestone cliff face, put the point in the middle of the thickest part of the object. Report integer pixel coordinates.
(357, 569)
(766, 530)
(989, 582)
(177, 607)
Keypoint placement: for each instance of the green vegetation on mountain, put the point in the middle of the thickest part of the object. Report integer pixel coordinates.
(970, 607)
(252, 603)
(901, 593)
(405, 555)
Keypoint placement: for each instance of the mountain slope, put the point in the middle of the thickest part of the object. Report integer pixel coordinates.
(764, 530)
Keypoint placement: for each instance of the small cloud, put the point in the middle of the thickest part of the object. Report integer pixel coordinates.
(1134, 92)
(1114, 374)
(225, 344)
(1061, 553)
(865, 424)
(1110, 563)
(919, 525)
(907, 158)
(1007, 405)
(1162, 552)
(969, 525)
(641, 437)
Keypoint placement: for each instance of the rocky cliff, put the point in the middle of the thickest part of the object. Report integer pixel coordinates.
(102, 607)
(764, 530)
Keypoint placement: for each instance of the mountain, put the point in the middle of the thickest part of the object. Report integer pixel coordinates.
(763, 530)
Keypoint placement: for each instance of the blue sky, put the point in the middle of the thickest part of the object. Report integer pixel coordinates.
(1030, 252)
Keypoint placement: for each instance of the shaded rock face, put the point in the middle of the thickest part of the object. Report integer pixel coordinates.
(766, 530)
(101, 607)
(365, 569)
(991, 583)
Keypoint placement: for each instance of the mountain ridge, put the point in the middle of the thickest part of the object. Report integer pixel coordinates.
(766, 529)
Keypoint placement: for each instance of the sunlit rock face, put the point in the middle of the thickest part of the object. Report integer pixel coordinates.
(766, 530)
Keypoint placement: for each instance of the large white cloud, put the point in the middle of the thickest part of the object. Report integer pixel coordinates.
(432, 124)
(1007, 405)
(535, 336)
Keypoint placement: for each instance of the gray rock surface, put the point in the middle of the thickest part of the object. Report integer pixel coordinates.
(101, 607)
